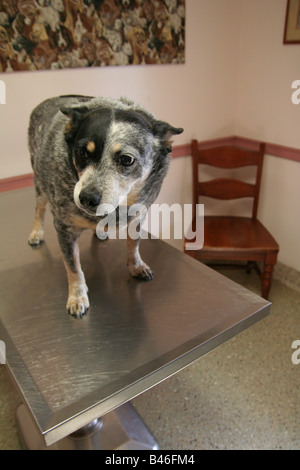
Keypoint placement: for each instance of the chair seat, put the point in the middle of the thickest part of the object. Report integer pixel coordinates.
(240, 236)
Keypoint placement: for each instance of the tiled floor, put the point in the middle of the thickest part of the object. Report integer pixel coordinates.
(243, 395)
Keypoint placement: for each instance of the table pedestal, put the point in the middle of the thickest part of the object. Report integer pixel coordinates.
(121, 429)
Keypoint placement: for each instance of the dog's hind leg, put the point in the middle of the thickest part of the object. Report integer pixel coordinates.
(37, 233)
(136, 265)
(78, 302)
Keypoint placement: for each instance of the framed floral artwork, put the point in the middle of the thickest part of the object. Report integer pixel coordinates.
(56, 34)
(292, 23)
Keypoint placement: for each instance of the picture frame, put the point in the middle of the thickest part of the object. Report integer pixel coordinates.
(292, 23)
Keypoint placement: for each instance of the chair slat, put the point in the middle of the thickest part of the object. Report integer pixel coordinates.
(228, 157)
(226, 188)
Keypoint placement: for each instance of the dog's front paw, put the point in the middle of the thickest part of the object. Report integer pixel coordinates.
(78, 305)
(36, 237)
(141, 271)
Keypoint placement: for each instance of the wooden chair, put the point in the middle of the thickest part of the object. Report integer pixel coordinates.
(232, 237)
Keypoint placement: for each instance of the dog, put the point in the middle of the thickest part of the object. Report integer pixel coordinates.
(87, 153)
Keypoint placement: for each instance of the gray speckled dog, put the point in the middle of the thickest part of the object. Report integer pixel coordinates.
(86, 152)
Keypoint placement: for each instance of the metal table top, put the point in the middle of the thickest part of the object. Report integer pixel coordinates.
(135, 335)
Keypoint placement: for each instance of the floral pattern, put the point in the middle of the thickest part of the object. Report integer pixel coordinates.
(55, 34)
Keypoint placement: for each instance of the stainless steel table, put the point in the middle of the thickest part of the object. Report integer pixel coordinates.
(71, 372)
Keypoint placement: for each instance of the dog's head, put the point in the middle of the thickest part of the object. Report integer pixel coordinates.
(114, 150)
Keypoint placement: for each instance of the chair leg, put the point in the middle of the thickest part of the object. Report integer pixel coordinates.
(266, 280)
(249, 267)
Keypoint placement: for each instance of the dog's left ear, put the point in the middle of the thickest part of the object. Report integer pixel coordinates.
(76, 116)
(165, 131)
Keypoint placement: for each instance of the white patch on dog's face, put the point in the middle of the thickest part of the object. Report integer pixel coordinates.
(113, 191)
(84, 177)
(112, 198)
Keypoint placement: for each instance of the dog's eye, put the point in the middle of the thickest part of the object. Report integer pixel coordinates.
(126, 160)
(82, 152)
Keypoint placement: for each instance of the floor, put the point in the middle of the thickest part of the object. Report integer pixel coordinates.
(243, 395)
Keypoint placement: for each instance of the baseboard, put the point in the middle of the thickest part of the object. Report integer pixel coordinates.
(287, 275)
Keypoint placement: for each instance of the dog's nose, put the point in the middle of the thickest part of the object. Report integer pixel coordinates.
(89, 199)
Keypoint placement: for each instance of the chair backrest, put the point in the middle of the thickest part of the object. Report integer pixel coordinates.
(227, 157)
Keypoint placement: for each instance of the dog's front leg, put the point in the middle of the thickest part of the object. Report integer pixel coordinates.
(136, 265)
(78, 302)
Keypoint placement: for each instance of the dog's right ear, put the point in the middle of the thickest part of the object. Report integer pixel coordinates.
(76, 116)
(165, 131)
